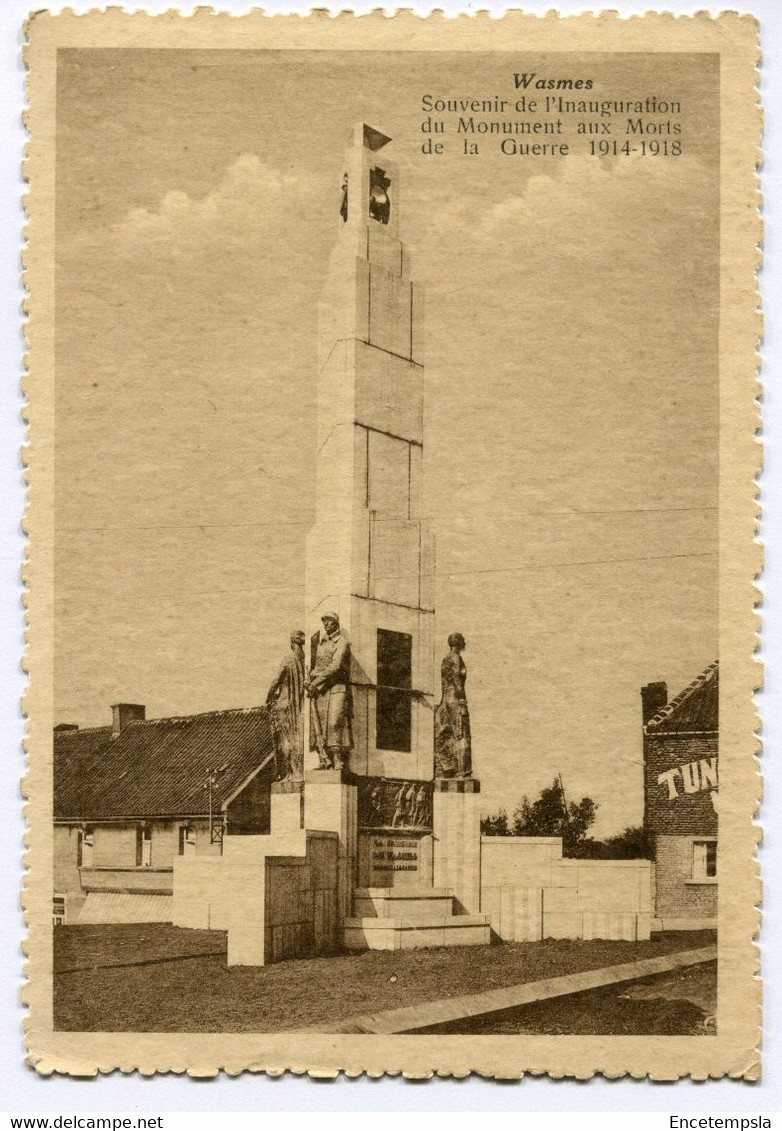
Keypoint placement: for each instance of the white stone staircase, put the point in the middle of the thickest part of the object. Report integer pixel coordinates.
(408, 918)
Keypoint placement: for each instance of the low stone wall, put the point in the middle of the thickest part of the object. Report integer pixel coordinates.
(152, 881)
(216, 893)
(531, 892)
(274, 902)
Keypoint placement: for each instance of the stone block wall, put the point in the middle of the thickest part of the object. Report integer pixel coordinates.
(211, 893)
(273, 906)
(530, 892)
(614, 885)
(516, 913)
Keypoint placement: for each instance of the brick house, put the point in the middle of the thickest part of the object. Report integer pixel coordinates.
(130, 797)
(680, 745)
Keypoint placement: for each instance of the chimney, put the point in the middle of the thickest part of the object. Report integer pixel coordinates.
(124, 713)
(65, 726)
(653, 698)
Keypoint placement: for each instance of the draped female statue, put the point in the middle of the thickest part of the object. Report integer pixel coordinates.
(452, 742)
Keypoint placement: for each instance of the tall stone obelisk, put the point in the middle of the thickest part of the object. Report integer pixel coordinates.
(408, 847)
(370, 554)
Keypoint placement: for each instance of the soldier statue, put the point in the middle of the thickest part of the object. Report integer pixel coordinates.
(284, 701)
(328, 686)
(452, 742)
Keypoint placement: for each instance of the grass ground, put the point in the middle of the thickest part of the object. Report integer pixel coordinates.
(157, 978)
(683, 1003)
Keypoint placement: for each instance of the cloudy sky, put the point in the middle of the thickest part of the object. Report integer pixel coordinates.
(571, 392)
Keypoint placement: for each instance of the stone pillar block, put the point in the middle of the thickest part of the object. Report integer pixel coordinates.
(287, 807)
(343, 310)
(246, 946)
(386, 252)
(390, 313)
(330, 805)
(388, 393)
(395, 561)
(457, 840)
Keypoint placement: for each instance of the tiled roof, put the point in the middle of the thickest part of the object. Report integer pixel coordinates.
(694, 709)
(157, 767)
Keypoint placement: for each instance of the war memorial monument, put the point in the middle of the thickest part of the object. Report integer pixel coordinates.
(381, 829)
(374, 831)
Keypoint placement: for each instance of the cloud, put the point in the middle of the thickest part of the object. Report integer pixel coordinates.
(627, 213)
(251, 196)
(165, 281)
(590, 205)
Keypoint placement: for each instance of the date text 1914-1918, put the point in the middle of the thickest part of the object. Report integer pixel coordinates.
(653, 148)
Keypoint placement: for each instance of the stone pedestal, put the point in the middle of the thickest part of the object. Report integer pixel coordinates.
(287, 807)
(330, 805)
(457, 840)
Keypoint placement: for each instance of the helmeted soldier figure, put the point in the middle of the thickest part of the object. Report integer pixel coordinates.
(331, 709)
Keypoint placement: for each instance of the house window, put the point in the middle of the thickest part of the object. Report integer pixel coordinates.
(85, 839)
(143, 846)
(187, 840)
(58, 909)
(704, 860)
(394, 704)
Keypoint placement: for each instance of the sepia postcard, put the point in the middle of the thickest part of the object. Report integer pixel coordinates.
(391, 566)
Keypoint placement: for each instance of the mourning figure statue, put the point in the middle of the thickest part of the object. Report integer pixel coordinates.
(328, 686)
(284, 701)
(452, 743)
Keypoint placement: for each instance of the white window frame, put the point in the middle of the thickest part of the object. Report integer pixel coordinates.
(58, 914)
(144, 845)
(86, 847)
(698, 860)
(187, 840)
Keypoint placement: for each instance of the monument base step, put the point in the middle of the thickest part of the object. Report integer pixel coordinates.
(411, 904)
(376, 933)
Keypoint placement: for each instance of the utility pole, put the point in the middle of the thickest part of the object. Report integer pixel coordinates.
(212, 777)
(562, 790)
(564, 802)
